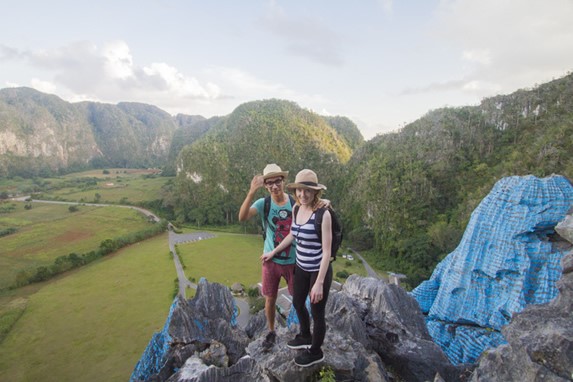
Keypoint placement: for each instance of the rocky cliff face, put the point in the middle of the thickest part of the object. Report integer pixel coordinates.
(41, 133)
(376, 332)
(540, 338)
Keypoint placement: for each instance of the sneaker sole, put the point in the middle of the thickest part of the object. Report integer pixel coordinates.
(311, 363)
(298, 346)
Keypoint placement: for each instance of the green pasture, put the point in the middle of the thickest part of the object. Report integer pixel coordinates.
(47, 231)
(94, 323)
(116, 185)
(230, 258)
(121, 188)
(226, 259)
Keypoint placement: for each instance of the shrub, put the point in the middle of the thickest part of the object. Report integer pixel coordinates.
(343, 274)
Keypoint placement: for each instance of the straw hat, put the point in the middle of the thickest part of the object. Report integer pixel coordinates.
(306, 179)
(272, 170)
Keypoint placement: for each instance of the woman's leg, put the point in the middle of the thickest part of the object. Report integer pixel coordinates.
(301, 289)
(318, 312)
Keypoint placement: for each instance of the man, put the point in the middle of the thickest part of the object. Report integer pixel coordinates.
(277, 227)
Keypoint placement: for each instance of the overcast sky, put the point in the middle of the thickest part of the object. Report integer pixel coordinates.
(382, 63)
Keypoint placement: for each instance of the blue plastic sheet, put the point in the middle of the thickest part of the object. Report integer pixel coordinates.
(504, 262)
(154, 356)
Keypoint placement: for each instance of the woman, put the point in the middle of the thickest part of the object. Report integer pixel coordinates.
(313, 272)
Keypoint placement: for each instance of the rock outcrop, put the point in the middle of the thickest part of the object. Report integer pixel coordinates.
(376, 332)
(506, 260)
(539, 340)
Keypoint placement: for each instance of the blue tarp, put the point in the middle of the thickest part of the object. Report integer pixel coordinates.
(503, 262)
(153, 357)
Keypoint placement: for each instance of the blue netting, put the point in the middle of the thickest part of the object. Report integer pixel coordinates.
(503, 262)
(292, 318)
(154, 356)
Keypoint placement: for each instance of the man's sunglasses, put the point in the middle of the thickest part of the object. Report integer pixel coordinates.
(276, 183)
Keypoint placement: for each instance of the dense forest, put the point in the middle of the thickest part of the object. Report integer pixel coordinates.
(412, 192)
(404, 197)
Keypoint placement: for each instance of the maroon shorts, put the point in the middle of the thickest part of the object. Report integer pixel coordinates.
(272, 273)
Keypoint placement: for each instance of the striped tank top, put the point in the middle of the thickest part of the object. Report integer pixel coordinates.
(308, 245)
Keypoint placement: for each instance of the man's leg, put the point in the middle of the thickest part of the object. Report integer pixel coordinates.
(270, 311)
(271, 279)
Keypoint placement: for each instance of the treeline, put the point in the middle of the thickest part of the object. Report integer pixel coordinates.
(73, 260)
(412, 192)
(405, 198)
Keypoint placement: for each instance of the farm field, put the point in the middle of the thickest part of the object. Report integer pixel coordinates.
(121, 186)
(230, 258)
(47, 231)
(124, 186)
(94, 323)
(226, 259)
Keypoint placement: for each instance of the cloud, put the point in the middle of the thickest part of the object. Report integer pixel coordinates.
(43, 86)
(305, 37)
(387, 5)
(88, 72)
(7, 53)
(508, 44)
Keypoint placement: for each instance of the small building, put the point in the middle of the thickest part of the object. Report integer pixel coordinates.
(394, 278)
(237, 288)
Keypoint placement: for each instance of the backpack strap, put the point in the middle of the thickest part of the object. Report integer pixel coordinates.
(318, 214)
(266, 211)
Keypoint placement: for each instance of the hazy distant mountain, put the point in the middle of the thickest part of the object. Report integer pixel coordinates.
(41, 134)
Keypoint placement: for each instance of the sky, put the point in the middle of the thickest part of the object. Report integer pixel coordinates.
(381, 63)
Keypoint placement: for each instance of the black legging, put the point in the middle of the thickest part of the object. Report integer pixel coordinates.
(303, 282)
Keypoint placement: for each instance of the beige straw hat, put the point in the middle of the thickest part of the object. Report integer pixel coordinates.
(272, 170)
(306, 179)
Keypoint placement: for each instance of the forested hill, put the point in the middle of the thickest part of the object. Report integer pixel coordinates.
(42, 135)
(409, 194)
(405, 196)
(216, 170)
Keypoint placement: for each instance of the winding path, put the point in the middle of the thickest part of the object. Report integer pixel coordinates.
(371, 272)
(174, 239)
(177, 238)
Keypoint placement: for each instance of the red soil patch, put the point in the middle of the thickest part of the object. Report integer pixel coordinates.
(71, 236)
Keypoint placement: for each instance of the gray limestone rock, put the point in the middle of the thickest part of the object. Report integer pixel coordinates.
(540, 341)
(373, 327)
(565, 228)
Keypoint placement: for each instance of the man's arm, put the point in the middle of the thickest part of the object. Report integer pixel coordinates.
(246, 212)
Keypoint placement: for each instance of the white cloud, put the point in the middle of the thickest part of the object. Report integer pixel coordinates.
(179, 84)
(514, 43)
(43, 86)
(118, 60)
(480, 56)
(84, 71)
(305, 36)
(387, 5)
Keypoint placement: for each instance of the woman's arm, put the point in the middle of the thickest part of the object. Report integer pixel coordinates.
(279, 248)
(317, 288)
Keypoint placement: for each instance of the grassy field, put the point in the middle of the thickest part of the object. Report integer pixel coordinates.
(93, 324)
(47, 231)
(114, 186)
(119, 186)
(230, 258)
(226, 259)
